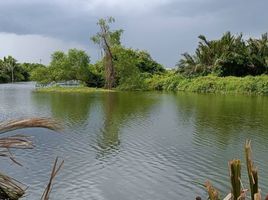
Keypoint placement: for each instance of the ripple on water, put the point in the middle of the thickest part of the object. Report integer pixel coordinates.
(133, 146)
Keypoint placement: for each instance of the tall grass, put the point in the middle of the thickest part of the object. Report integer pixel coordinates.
(210, 84)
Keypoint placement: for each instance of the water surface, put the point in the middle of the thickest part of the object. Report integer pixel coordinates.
(135, 145)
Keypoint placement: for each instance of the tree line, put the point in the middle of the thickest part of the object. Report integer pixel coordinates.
(12, 71)
(127, 68)
(231, 55)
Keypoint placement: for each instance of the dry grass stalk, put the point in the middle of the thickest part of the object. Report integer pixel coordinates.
(16, 141)
(54, 172)
(10, 188)
(212, 192)
(252, 171)
(235, 176)
(29, 123)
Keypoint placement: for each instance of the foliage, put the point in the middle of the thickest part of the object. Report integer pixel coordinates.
(41, 75)
(209, 84)
(12, 71)
(107, 39)
(132, 68)
(106, 35)
(230, 55)
(64, 67)
(96, 78)
(80, 89)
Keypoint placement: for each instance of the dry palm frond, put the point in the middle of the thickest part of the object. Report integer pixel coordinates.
(29, 123)
(54, 172)
(10, 188)
(9, 155)
(16, 141)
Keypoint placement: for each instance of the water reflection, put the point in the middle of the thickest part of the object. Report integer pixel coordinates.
(221, 125)
(72, 109)
(110, 113)
(135, 145)
(118, 109)
(222, 116)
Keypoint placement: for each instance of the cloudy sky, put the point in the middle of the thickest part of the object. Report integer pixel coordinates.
(31, 30)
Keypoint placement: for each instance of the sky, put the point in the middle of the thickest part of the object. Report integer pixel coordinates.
(31, 30)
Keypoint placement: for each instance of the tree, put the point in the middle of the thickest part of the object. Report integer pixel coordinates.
(64, 67)
(78, 61)
(106, 39)
(230, 55)
(133, 66)
(10, 63)
(26, 68)
(41, 75)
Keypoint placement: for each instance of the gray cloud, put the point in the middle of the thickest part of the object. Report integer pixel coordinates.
(166, 28)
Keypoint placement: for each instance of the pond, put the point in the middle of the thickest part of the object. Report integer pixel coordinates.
(135, 145)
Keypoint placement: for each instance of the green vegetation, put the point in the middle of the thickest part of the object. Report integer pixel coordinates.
(121, 67)
(64, 67)
(108, 39)
(230, 64)
(231, 55)
(12, 71)
(80, 89)
(210, 84)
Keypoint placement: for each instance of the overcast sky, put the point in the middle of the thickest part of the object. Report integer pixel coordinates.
(31, 30)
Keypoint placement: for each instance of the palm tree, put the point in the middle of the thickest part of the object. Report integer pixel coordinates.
(10, 63)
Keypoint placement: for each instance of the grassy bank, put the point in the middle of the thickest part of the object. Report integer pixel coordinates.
(80, 89)
(257, 85)
(210, 84)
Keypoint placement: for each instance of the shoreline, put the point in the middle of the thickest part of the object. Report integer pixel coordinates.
(249, 85)
(80, 89)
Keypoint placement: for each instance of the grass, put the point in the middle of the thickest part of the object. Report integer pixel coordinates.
(80, 89)
(250, 85)
(257, 85)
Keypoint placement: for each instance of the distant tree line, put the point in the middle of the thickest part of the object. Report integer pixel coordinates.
(12, 71)
(231, 55)
(131, 69)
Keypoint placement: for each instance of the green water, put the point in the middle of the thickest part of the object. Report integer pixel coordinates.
(136, 145)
